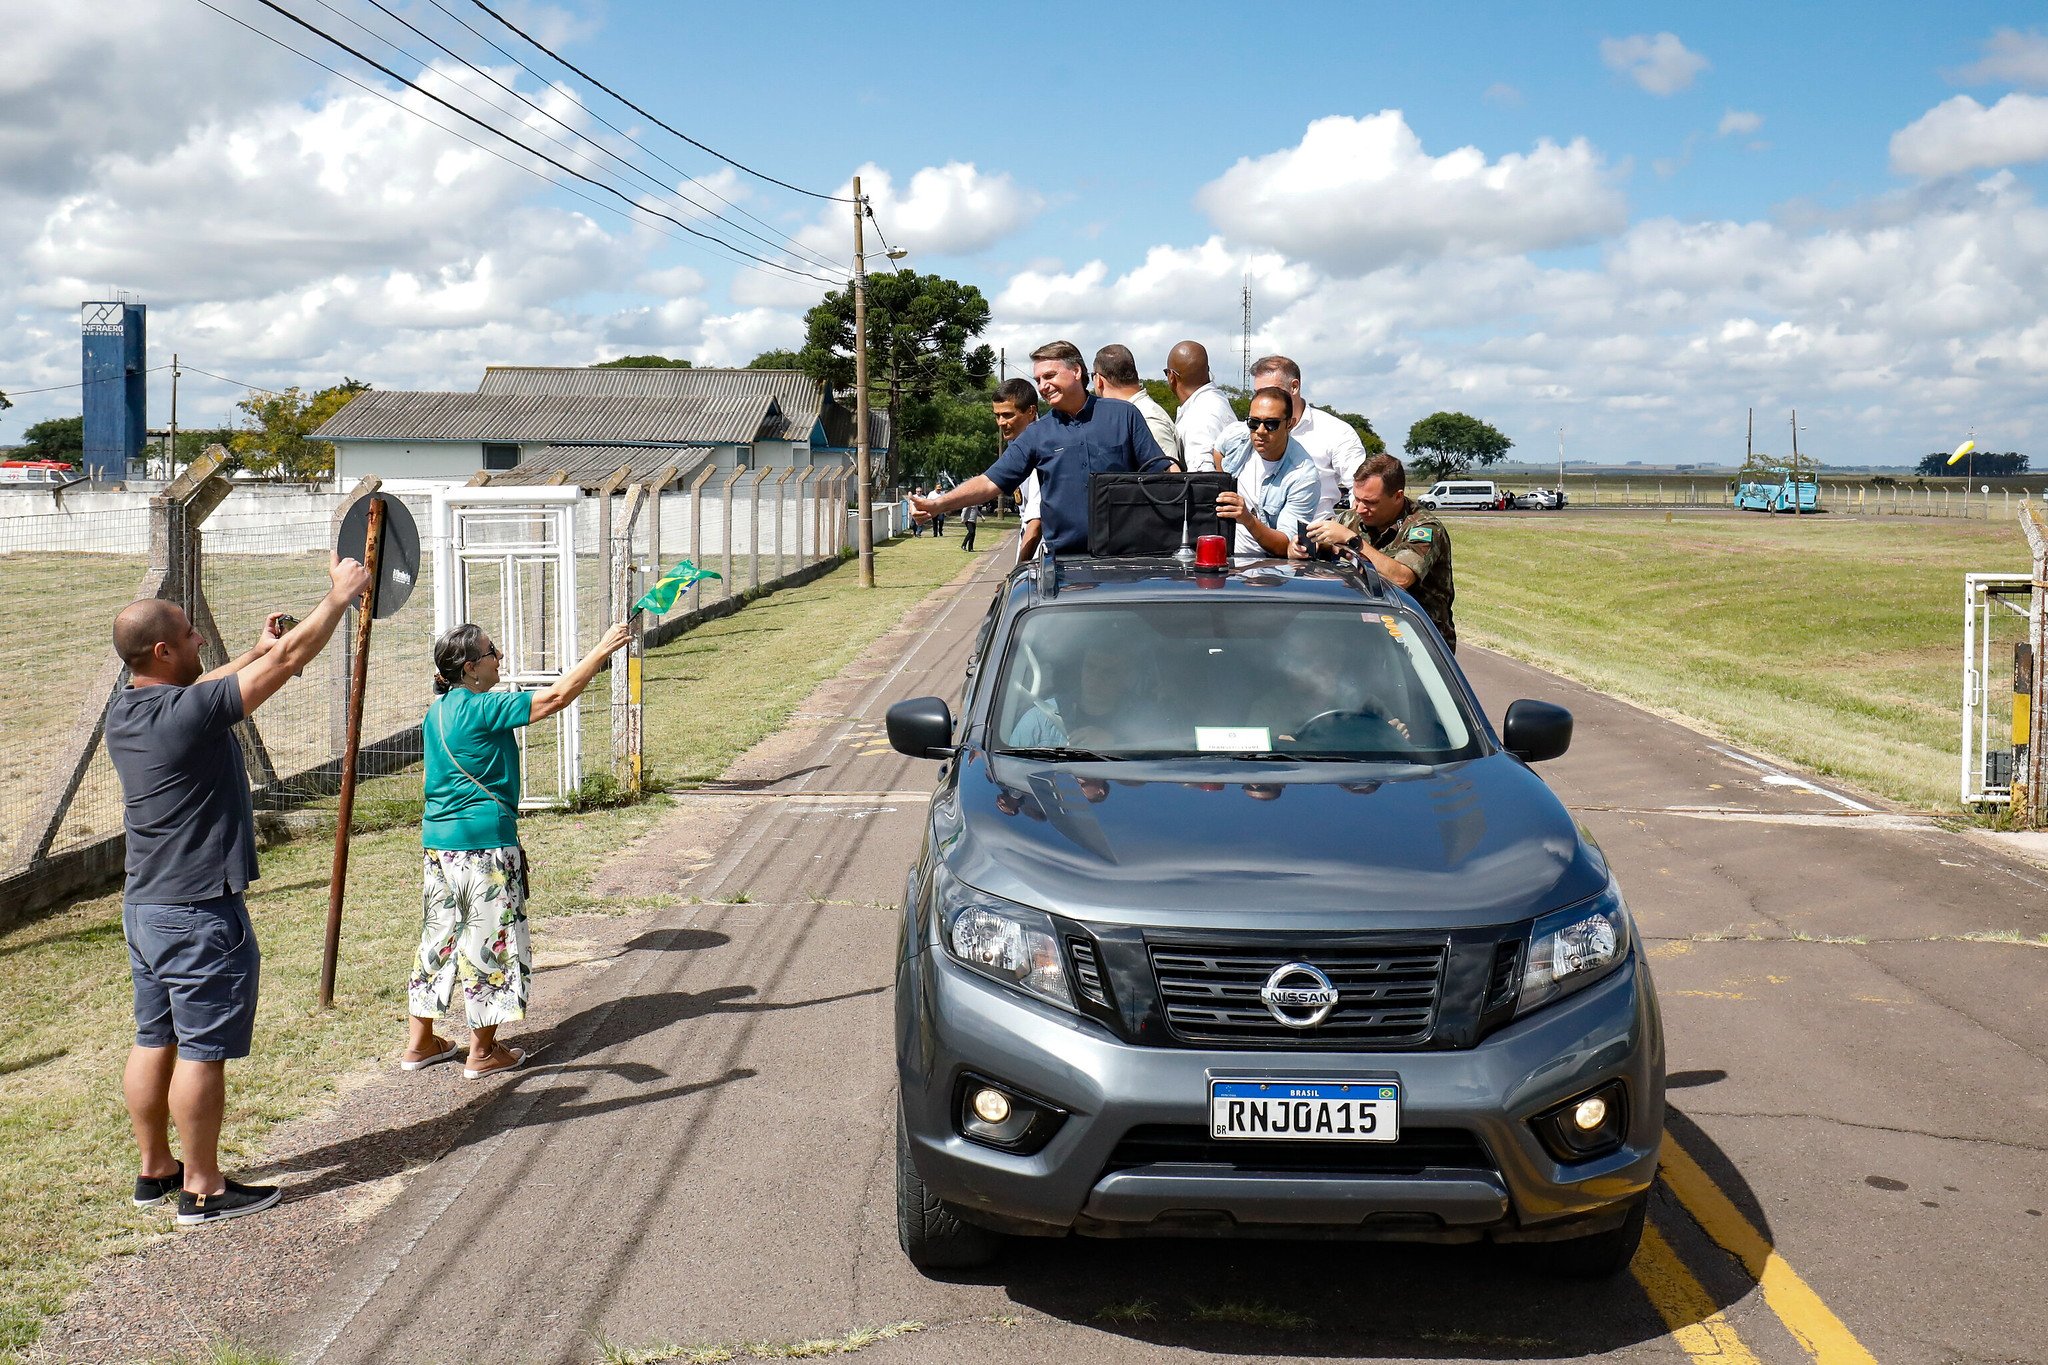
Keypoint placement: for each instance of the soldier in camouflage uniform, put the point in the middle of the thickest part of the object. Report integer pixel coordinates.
(1406, 543)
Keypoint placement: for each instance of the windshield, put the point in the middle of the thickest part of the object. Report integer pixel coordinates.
(1167, 679)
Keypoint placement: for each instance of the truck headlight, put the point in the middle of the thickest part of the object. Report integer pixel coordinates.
(1573, 948)
(1013, 944)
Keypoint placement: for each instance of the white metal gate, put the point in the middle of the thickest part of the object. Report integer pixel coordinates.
(1995, 607)
(505, 559)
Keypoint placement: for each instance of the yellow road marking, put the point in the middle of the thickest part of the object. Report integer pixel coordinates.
(1683, 1302)
(1809, 1320)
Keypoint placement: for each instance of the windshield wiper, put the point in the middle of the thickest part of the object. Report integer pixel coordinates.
(1298, 756)
(1058, 753)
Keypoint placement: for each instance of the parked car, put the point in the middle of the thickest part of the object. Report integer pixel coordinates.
(1471, 494)
(1541, 500)
(1297, 944)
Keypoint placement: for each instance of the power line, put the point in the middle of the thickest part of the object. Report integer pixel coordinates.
(469, 66)
(460, 136)
(369, 61)
(84, 383)
(796, 247)
(738, 165)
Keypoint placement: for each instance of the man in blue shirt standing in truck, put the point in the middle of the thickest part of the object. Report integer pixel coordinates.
(1080, 434)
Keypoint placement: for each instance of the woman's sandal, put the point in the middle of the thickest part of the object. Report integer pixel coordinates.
(477, 1073)
(421, 1063)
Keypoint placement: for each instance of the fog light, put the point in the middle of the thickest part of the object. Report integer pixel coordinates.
(1590, 1124)
(993, 1106)
(997, 1115)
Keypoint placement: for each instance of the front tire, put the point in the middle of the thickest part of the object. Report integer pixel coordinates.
(932, 1233)
(1601, 1256)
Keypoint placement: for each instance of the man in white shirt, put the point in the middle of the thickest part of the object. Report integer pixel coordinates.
(1330, 441)
(1204, 411)
(1016, 407)
(1116, 376)
(1276, 480)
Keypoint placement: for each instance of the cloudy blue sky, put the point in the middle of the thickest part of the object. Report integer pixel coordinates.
(1630, 221)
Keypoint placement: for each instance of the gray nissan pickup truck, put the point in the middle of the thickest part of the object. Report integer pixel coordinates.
(1235, 916)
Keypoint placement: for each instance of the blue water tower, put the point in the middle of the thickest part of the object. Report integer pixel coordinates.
(116, 388)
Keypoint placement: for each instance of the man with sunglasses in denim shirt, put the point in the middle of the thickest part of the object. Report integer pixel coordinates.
(1277, 483)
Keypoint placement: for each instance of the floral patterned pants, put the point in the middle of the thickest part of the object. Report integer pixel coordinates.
(474, 929)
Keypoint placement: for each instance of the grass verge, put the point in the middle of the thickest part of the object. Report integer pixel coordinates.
(812, 1348)
(1830, 644)
(65, 1153)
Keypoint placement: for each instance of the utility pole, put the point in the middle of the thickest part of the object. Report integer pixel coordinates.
(171, 449)
(860, 388)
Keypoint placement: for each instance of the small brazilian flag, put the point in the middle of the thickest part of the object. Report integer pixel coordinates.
(673, 584)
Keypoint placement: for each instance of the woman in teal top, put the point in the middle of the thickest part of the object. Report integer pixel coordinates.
(473, 927)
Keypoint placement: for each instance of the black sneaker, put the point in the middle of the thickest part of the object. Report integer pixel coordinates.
(150, 1190)
(233, 1202)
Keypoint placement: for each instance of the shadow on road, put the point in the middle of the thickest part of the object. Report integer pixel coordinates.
(543, 1097)
(1333, 1298)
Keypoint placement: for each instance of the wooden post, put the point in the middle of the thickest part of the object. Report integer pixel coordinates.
(359, 681)
(625, 682)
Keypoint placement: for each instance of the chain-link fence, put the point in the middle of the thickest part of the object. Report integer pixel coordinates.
(230, 555)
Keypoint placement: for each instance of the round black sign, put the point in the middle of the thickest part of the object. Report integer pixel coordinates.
(398, 564)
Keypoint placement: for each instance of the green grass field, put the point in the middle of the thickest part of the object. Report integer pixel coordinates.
(1832, 644)
(65, 1152)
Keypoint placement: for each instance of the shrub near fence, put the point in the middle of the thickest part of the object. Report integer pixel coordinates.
(230, 554)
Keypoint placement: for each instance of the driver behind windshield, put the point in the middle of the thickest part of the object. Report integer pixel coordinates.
(1342, 686)
(1101, 700)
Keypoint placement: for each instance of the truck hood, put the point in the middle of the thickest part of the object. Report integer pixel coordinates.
(1480, 842)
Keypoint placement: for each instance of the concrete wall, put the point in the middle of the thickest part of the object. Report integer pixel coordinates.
(451, 460)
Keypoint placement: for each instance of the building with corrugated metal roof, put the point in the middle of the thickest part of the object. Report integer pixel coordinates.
(578, 425)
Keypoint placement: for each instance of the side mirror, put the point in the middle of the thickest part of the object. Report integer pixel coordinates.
(923, 727)
(1534, 731)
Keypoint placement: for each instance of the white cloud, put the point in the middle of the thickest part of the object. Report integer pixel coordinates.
(1740, 121)
(2010, 57)
(1883, 326)
(949, 210)
(1357, 193)
(1658, 62)
(1502, 94)
(1962, 135)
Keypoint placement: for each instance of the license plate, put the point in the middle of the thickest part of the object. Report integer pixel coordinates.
(1306, 1111)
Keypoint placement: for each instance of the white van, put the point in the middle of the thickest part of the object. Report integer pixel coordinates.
(1465, 493)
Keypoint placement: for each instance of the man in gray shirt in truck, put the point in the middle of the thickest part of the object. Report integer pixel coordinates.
(191, 853)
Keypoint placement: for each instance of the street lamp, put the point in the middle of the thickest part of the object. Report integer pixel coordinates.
(862, 472)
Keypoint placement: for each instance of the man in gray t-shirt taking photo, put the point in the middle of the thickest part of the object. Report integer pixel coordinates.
(191, 853)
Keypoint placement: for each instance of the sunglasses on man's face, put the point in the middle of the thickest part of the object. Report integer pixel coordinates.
(1265, 423)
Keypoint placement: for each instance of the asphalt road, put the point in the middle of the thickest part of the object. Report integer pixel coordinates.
(1860, 1111)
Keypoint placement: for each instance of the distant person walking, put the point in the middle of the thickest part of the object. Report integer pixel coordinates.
(916, 530)
(971, 519)
(191, 854)
(473, 926)
(1204, 411)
